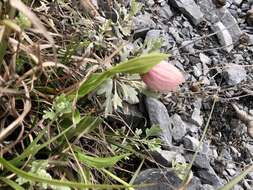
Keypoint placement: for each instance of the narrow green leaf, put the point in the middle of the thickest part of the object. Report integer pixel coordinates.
(36, 178)
(86, 125)
(97, 162)
(139, 65)
(32, 150)
(11, 183)
(76, 117)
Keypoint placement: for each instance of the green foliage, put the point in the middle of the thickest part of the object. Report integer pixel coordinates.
(12, 184)
(98, 162)
(180, 169)
(154, 131)
(61, 105)
(38, 168)
(139, 65)
(23, 21)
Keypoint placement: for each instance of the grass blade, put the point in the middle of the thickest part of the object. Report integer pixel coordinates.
(237, 179)
(11, 183)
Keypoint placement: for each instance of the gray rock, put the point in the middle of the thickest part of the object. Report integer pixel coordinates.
(230, 23)
(201, 161)
(158, 115)
(132, 116)
(149, 2)
(250, 175)
(175, 33)
(142, 24)
(221, 15)
(190, 142)
(192, 129)
(237, 2)
(231, 171)
(195, 184)
(250, 41)
(161, 179)
(166, 12)
(237, 187)
(208, 176)
(205, 7)
(178, 127)
(196, 115)
(190, 9)
(204, 59)
(225, 154)
(234, 74)
(249, 147)
(155, 35)
(187, 46)
(197, 70)
(223, 35)
(165, 157)
(207, 187)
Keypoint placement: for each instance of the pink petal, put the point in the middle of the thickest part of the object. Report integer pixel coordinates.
(163, 77)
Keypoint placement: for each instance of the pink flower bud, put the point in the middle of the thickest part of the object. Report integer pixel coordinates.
(163, 77)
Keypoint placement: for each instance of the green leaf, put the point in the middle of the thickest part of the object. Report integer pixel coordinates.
(76, 117)
(35, 178)
(86, 125)
(139, 65)
(107, 88)
(23, 21)
(97, 162)
(154, 131)
(129, 94)
(11, 183)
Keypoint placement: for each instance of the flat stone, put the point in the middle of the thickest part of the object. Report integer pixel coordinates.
(201, 161)
(155, 35)
(142, 24)
(237, 2)
(178, 127)
(230, 23)
(194, 184)
(223, 35)
(237, 187)
(205, 7)
(209, 177)
(190, 142)
(204, 59)
(158, 114)
(250, 175)
(132, 116)
(222, 15)
(166, 12)
(190, 9)
(234, 74)
(175, 33)
(197, 70)
(165, 157)
(207, 187)
(161, 178)
(196, 117)
(231, 172)
(250, 148)
(187, 46)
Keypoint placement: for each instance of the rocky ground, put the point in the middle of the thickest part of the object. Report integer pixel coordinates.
(211, 41)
